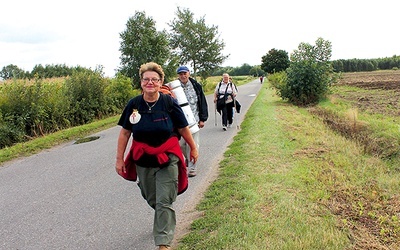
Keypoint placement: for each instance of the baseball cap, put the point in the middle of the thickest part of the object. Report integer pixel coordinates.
(182, 69)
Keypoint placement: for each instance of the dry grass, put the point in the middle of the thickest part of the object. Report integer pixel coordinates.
(371, 212)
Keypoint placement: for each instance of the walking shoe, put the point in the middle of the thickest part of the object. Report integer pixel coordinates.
(230, 125)
(224, 128)
(192, 173)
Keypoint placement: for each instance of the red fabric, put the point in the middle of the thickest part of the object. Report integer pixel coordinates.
(170, 146)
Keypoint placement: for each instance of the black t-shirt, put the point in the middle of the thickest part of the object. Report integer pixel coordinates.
(156, 125)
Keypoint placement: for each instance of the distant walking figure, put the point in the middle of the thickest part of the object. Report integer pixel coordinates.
(261, 79)
(224, 99)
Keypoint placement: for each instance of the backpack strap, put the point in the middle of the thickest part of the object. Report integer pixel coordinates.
(219, 86)
(234, 85)
(230, 83)
(136, 101)
(168, 100)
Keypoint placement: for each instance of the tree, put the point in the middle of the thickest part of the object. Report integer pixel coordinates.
(242, 70)
(275, 61)
(310, 73)
(11, 71)
(256, 71)
(141, 43)
(196, 43)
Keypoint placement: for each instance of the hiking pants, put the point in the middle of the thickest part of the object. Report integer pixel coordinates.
(159, 187)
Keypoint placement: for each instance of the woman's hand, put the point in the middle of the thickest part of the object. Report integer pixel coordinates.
(120, 167)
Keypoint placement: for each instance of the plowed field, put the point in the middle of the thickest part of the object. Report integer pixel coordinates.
(379, 91)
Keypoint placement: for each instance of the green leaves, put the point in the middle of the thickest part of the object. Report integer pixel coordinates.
(309, 74)
(142, 43)
(196, 43)
(275, 61)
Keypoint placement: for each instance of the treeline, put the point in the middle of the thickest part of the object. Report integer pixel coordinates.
(61, 70)
(39, 71)
(32, 108)
(244, 70)
(358, 65)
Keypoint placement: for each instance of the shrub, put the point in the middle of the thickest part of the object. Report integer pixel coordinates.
(309, 75)
(84, 92)
(306, 83)
(118, 92)
(279, 82)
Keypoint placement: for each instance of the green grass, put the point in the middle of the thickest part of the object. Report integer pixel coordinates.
(289, 182)
(375, 126)
(51, 140)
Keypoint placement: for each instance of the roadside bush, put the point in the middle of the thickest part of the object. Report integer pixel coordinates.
(9, 134)
(33, 108)
(306, 83)
(278, 81)
(118, 92)
(29, 108)
(309, 75)
(85, 97)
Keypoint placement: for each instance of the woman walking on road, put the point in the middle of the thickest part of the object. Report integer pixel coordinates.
(224, 98)
(155, 122)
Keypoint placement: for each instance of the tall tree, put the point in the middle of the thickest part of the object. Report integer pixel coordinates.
(196, 43)
(11, 71)
(142, 43)
(275, 61)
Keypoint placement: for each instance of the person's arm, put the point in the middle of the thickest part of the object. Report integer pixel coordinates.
(203, 108)
(234, 89)
(216, 94)
(187, 136)
(123, 139)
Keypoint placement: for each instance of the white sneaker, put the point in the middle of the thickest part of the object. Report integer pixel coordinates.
(224, 128)
(229, 125)
(192, 173)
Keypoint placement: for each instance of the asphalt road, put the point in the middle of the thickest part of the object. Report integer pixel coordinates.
(70, 197)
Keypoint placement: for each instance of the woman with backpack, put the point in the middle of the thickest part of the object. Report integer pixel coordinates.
(155, 121)
(224, 98)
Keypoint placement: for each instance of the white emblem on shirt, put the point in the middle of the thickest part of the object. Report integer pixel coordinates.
(135, 117)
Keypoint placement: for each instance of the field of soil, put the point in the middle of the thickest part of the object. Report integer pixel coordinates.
(382, 91)
(376, 92)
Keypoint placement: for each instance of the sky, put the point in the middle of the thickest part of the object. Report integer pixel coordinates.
(87, 32)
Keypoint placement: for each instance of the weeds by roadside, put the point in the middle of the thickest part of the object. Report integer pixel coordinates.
(288, 181)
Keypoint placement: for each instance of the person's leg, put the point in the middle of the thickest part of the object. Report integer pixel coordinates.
(166, 193)
(192, 166)
(229, 111)
(147, 184)
(224, 117)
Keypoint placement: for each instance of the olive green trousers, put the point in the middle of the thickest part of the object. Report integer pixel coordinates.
(159, 187)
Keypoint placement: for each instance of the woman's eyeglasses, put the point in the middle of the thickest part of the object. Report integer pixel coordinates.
(153, 80)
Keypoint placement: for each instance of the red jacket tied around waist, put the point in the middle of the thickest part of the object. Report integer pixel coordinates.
(171, 146)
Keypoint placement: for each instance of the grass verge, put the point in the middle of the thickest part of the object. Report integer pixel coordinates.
(51, 140)
(289, 182)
